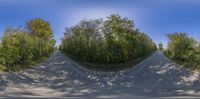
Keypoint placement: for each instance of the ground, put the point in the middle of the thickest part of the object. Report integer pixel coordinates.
(60, 77)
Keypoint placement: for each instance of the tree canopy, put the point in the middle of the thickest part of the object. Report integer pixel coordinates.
(40, 28)
(114, 40)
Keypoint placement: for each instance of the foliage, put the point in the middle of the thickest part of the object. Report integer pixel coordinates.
(20, 49)
(112, 41)
(184, 49)
(16, 49)
(160, 46)
(40, 28)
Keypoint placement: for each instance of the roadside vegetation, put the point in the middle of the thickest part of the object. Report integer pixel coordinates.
(160, 46)
(184, 49)
(109, 44)
(22, 48)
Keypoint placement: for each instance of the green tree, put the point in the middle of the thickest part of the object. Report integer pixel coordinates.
(40, 28)
(42, 35)
(112, 41)
(160, 46)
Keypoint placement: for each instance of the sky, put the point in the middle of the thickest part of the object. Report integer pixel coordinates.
(156, 18)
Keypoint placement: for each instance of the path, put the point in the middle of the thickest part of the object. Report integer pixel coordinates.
(155, 77)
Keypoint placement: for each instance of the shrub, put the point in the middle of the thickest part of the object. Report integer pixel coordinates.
(184, 49)
(20, 48)
(168, 53)
(16, 48)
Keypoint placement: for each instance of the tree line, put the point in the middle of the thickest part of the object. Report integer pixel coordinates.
(111, 41)
(21, 48)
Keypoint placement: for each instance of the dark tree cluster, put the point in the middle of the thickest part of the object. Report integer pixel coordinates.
(111, 41)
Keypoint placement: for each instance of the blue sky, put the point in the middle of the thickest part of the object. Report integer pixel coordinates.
(154, 17)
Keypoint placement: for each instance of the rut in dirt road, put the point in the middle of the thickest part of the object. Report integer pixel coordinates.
(59, 76)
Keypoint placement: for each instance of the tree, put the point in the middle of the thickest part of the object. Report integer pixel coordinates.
(42, 35)
(118, 32)
(40, 28)
(112, 41)
(160, 46)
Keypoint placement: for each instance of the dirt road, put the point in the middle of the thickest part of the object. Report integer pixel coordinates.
(59, 77)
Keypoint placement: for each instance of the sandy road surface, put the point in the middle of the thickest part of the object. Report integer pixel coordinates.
(59, 77)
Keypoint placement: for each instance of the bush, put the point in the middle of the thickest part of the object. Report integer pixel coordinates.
(112, 41)
(16, 48)
(184, 49)
(21, 49)
(42, 48)
(168, 53)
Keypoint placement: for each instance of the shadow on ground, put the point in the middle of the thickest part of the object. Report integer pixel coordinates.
(58, 76)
